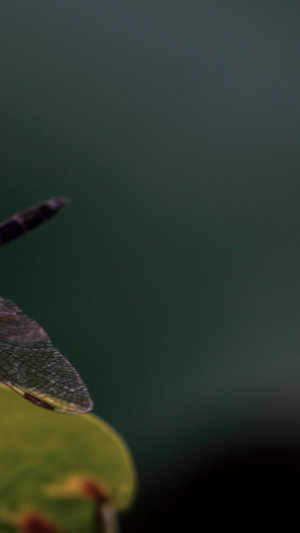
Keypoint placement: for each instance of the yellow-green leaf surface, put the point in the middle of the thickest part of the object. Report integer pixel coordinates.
(41, 452)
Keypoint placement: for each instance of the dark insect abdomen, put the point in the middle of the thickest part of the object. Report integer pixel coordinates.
(30, 219)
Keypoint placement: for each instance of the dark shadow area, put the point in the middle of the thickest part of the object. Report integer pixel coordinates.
(253, 488)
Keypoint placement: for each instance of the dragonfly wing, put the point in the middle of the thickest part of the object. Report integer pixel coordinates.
(32, 367)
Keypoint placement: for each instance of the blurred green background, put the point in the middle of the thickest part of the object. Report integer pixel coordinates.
(172, 280)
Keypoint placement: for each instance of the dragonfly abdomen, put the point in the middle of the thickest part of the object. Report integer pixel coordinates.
(30, 219)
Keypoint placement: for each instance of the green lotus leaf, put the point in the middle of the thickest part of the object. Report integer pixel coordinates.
(58, 465)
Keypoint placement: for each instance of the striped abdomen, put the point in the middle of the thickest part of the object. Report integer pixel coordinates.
(30, 218)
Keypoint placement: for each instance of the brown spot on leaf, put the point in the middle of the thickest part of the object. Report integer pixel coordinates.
(34, 522)
(92, 490)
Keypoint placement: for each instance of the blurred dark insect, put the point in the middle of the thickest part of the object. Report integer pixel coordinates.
(29, 363)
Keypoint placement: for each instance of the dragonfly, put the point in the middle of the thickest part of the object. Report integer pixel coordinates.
(29, 363)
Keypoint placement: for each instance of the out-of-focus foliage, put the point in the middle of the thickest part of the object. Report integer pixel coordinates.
(59, 466)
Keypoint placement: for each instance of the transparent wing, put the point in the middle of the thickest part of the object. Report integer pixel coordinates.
(32, 367)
